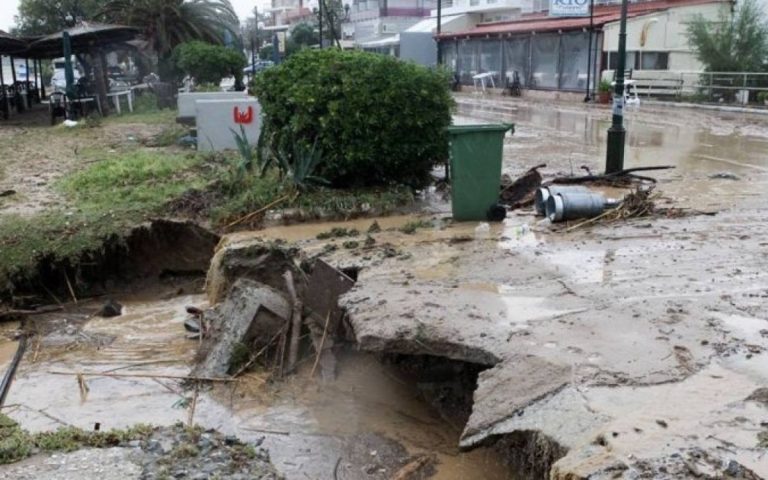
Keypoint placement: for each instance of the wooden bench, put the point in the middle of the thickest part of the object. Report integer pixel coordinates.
(658, 86)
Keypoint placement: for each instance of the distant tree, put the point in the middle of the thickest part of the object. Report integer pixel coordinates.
(40, 17)
(266, 52)
(208, 63)
(249, 29)
(169, 23)
(333, 14)
(304, 34)
(734, 43)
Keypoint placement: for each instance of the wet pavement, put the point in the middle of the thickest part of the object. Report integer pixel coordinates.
(632, 345)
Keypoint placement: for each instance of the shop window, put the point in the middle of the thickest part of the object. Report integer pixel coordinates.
(545, 54)
(490, 59)
(516, 59)
(653, 61)
(613, 60)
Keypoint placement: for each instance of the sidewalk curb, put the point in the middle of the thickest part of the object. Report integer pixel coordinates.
(718, 108)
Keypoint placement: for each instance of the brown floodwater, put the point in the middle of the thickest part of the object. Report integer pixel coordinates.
(308, 426)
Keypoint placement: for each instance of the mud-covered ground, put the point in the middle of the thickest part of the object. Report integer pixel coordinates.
(632, 350)
(35, 155)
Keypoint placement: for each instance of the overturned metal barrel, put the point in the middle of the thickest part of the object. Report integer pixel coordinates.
(543, 193)
(573, 205)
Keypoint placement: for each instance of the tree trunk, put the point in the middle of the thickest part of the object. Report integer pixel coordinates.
(99, 60)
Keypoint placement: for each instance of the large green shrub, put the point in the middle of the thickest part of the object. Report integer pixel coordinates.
(376, 120)
(208, 63)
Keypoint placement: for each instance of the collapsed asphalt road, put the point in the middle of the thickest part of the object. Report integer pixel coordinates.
(630, 350)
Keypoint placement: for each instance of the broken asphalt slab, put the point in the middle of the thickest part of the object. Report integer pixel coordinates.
(594, 340)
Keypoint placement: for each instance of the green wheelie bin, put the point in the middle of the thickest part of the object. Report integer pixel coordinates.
(475, 174)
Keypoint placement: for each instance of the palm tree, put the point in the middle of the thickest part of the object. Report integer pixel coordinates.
(168, 23)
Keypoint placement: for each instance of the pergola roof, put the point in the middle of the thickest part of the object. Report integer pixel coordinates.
(84, 37)
(10, 44)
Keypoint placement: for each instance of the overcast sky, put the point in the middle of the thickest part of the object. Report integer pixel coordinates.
(9, 8)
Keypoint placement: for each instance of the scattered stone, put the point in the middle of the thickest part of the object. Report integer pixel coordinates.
(192, 325)
(724, 176)
(110, 309)
(760, 396)
(374, 228)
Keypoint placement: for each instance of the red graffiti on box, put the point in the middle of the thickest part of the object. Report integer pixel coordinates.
(243, 117)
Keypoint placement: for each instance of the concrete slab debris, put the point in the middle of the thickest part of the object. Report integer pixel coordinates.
(252, 314)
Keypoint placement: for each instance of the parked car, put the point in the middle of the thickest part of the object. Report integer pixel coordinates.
(259, 66)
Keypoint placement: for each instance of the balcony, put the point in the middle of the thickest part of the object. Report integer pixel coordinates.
(457, 7)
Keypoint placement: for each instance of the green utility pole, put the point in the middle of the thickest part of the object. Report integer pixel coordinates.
(614, 160)
(439, 30)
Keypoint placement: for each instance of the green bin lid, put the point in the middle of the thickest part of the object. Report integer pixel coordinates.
(484, 127)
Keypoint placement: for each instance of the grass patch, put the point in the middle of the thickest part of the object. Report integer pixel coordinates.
(112, 196)
(315, 203)
(17, 444)
(144, 111)
(411, 227)
(167, 137)
(338, 232)
(153, 117)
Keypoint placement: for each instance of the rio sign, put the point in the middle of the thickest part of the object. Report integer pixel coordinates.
(569, 8)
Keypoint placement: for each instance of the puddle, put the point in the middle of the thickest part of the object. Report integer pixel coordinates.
(7, 346)
(307, 425)
(638, 411)
(750, 329)
(149, 337)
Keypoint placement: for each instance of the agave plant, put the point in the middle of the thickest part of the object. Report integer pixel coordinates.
(298, 165)
(248, 156)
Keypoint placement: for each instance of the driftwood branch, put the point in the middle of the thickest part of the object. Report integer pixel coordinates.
(321, 346)
(293, 349)
(11, 314)
(145, 375)
(628, 172)
(258, 212)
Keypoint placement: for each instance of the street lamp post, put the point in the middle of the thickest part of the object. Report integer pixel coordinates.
(588, 96)
(614, 160)
(439, 18)
(254, 40)
(320, 14)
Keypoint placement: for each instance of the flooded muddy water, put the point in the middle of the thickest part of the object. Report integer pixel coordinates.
(371, 416)
(699, 144)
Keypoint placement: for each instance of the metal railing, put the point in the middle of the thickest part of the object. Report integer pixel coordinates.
(696, 86)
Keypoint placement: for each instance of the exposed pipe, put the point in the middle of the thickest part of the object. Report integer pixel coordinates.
(543, 194)
(5, 386)
(573, 205)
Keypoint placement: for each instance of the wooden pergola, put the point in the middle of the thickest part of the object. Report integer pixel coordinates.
(10, 46)
(85, 38)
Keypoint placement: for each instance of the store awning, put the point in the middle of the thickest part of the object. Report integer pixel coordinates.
(382, 42)
(448, 23)
(542, 22)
